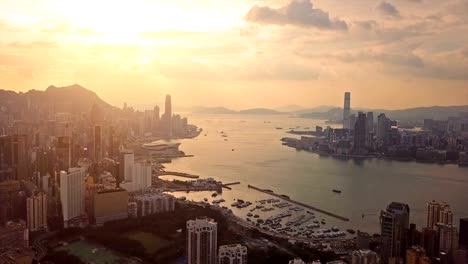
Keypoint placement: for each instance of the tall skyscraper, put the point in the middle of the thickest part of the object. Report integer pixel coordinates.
(463, 236)
(369, 129)
(429, 240)
(72, 194)
(64, 152)
(382, 125)
(97, 143)
(141, 176)
(232, 254)
(360, 133)
(36, 208)
(202, 241)
(20, 156)
(438, 213)
(167, 117)
(346, 111)
(156, 119)
(394, 222)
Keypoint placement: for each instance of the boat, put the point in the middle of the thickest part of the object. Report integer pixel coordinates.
(284, 196)
(214, 195)
(279, 128)
(249, 214)
(351, 231)
(232, 150)
(205, 199)
(336, 191)
(256, 216)
(323, 222)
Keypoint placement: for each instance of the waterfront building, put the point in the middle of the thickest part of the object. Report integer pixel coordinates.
(352, 122)
(382, 125)
(110, 205)
(438, 213)
(414, 255)
(360, 134)
(297, 261)
(127, 161)
(364, 257)
(202, 241)
(14, 235)
(463, 236)
(72, 194)
(232, 254)
(394, 222)
(167, 117)
(346, 111)
(36, 209)
(149, 203)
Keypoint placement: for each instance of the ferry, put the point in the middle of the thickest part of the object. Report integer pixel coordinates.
(336, 191)
(214, 195)
(249, 214)
(351, 231)
(323, 222)
(279, 128)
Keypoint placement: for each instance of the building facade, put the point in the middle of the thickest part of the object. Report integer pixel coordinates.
(232, 254)
(72, 194)
(202, 241)
(394, 222)
(36, 209)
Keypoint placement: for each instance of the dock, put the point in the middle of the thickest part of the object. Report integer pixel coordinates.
(299, 203)
(179, 174)
(226, 185)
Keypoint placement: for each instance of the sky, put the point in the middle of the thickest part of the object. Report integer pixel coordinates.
(241, 53)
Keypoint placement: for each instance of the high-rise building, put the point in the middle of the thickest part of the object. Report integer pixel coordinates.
(394, 222)
(382, 125)
(20, 156)
(97, 143)
(463, 236)
(414, 254)
(142, 175)
(346, 111)
(370, 129)
(429, 240)
(167, 117)
(202, 241)
(352, 121)
(153, 203)
(460, 256)
(360, 133)
(156, 120)
(232, 254)
(36, 208)
(127, 164)
(364, 257)
(438, 213)
(72, 195)
(9, 197)
(448, 238)
(64, 152)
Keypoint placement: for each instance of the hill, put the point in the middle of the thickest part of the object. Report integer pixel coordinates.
(73, 98)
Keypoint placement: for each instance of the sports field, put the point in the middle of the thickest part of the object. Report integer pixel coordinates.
(151, 242)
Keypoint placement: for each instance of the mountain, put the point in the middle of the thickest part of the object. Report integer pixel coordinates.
(410, 114)
(261, 111)
(73, 98)
(289, 108)
(320, 108)
(212, 110)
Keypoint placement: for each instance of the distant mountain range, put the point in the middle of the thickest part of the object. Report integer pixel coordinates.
(223, 110)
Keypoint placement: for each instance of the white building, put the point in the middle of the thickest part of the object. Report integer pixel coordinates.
(72, 193)
(154, 203)
(364, 257)
(142, 176)
(36, 207)
(232, 254)
(127, 162)
(202, 241)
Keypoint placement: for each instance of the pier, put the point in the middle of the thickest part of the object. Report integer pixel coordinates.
(299, 203)
(179, 174)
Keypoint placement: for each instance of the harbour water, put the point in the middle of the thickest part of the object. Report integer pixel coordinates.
(252, 153)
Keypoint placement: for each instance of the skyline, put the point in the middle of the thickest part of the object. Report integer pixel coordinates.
(412, 52)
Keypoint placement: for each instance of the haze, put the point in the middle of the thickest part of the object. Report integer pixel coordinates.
(238, 53)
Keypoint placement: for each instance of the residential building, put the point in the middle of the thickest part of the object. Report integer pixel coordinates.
(394, 222)
(346, 111)
(232, 254)
(36, 208)
(110, 205)
(72, 195)
(364, 256)
(202, 241)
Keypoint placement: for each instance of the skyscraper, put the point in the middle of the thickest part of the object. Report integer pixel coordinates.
(448, 238)
(141, 176)
(360, 133)
(167, 117)
(414, 254)
(463, 236)
(381, 129)
(369, 129)
(232, 254)
(97, 143)
(394, 222)
(36, 208)
(72, 194)
(20, 156)
(127, 163)
(156, 119)
(438, 213)
(346, 111)
(202, 241)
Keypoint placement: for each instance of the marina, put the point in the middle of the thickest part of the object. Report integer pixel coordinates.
(301, 204)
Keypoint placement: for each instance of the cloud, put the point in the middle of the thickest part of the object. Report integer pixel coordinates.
(388, 9)
(297, 12)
